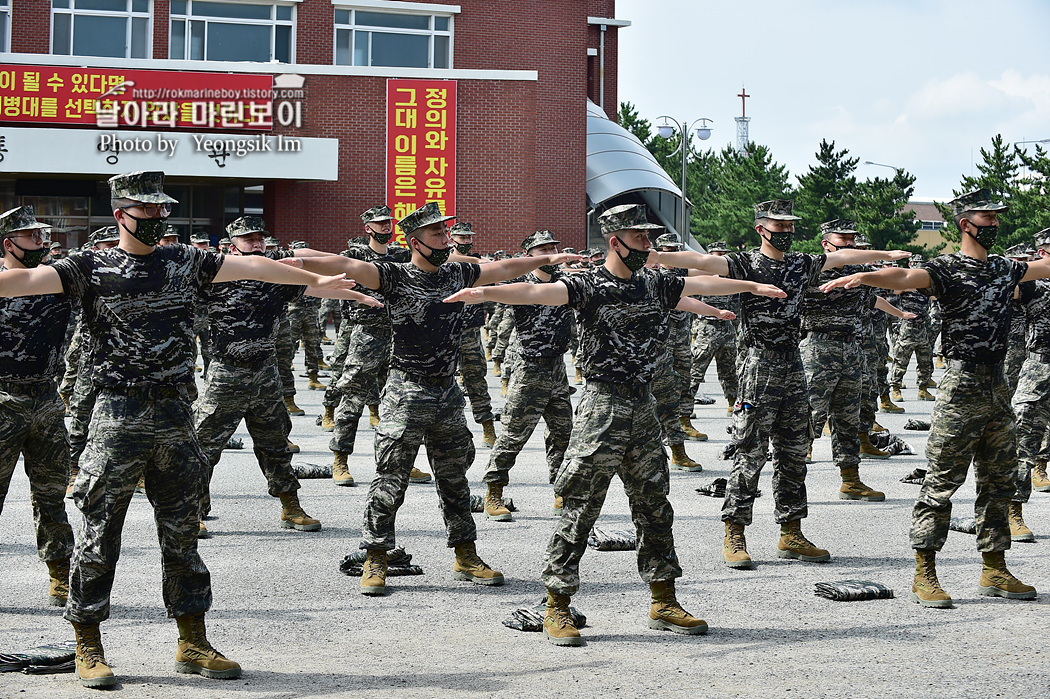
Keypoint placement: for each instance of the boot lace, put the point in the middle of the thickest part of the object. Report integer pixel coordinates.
(375, 566)
(559, 613)
(470, 559)
(89, 648)
(737, 542)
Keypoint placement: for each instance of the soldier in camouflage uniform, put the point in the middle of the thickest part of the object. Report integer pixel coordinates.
(422, 403)
(302, 319)
(972, 419)
(1015, 341)
(472, 367)
(616, 431)
(538, 388)
(772, 401)
(329, 309)
(138, 302)
(202, 241)
(913, 336)
(224, 245)
(31, 424)
(716, 339)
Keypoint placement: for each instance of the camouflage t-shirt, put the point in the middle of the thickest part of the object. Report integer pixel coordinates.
(774, 324)
(244, 316)
(426, 331)
(840, 311)
(139, 311)
(1035, 295)
(543, 331)
(619, 322)
(975, 304)
(359, 313)
(915, 302)
(32, 329)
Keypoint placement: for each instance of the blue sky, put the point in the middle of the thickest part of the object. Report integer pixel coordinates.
(918, 84)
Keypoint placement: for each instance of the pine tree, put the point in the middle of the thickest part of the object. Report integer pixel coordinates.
(998, 173)
(826, 192)
(880, 214)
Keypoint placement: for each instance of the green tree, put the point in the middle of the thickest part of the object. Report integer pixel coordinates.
(826, 192)
(998, 173)
(1030, 201)
(880, 214)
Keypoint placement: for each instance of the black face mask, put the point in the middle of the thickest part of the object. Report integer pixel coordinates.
(30, 258)
(635, 259)
(464, 248)
(838, 247)
(985, 235)
(382, 238)
(149, 231)
(436, 257)
(549, 269)
(780, 241)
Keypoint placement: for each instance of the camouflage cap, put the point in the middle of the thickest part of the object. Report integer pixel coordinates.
(977, 200)
(841, 226)
(272, 242)
(246, 225)
(19, 219)
(538, 238)
(106, 234)
(570, 251)
(146, 187)
(425, 215)
(1017, 251)
(1042, 238)
(297, 245)
(862, 241)
(916, 260)
(170, 231)
(377, 213)
(776, 210)
(718, 246)
(225, 241)
(55, 246)
(669, 240)
(626, 217)
(461, 228)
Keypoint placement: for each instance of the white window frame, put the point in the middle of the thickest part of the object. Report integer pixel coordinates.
(5, 9)
(432, 11)
(73, 12)
(273, 23)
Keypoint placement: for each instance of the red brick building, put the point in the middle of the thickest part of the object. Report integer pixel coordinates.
(522, 70)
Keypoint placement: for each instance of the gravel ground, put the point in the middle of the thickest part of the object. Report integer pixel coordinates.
(301, 629)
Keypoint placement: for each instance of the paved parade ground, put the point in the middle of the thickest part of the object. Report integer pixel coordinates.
(299, 627)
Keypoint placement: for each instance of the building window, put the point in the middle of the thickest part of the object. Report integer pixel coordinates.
(5, 26)
(392, 39)
(231, 31)
(107, 28)
(932, 225)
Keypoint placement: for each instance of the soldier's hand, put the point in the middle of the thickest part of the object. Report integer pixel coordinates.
(365, 299)
(337, 282)
(726, 315)
(563, 258)
(908, 316)
(850, 281)
(895, 255)
(471, 296)
(773, 292)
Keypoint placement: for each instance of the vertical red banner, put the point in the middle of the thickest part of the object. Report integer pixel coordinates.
(420, 146)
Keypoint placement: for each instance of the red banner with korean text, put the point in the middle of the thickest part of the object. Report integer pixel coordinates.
(127, 99)
(420, 146)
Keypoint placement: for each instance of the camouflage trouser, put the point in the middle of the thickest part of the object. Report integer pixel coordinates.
(135, 433)
(714, 340)
(871, 387)
(506, 325)
(285, 354)
(1015, 357)
(72, 368)
(342, 346)
(913, 336)
(880, 356)
(80, 406)
(667, 392)
(303, 322)
(364, 373)
(202, 330)
(329, 308)
(411, 415)
(615, 433)
(493, 321)
(574, 337)
(254, 394)
(473, 369)
(834, 367)
(1032, 403)
(772, 404)
(538, 388)
(511, 356)
(31, 424)
(683, 362)
(972, 421)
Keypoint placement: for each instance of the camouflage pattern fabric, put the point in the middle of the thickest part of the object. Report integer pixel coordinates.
(285, 354)
(615, 433)
(972, 421)
(543, 331)
(772, 404)
(715, 339)
(935, 327)
(144, 186)
(667, 391)
(503, 331)
(329, 308)
(81, 404)
(411, 415)
(474, 370)
(872, 362)
(31, 332)
(359, 313)
(625, 217)
(337, 361)
(32, 426)
(834, 369)
(680, 341)
(912, 337)
(72, 361)
(492, 323)
(139, 433)
(201, 329)
(852, 590)
(232, 393)
(538, 388)
(612, 540)
(302, 317)
(1015, 342)
(366, 365)
(1031, 400)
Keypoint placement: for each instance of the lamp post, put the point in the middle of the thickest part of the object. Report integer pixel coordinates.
(895, 169)
(703, 133)
(1038, 141)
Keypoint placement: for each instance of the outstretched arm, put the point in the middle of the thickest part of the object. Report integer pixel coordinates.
(345, 295)
(1040, 269)
(711, 264)
(309, 252)
(897, 279)
(887, 307)
(30, 282)
(365, 273)
(502, 270)
(703, 309)
(719, 286)
(237, 267)
(520, 294)
(841, 258)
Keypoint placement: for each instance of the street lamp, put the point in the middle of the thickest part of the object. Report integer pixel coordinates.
(703, 133)
(895, 169)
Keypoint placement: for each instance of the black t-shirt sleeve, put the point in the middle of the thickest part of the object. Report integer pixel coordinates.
(937, 287)
(1027, 292)
(73, 272)
(471, 272)
(815, 265)
(738, 265)
(388, 277)
(206, 265)
(669, 288)
(580, 290)
(1017, 270)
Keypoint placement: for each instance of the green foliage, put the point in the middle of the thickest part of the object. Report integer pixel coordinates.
(1030, 200)
(998, 173)
(880, 214)
(828, 191)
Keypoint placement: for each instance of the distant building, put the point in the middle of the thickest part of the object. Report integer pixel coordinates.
(931, 230)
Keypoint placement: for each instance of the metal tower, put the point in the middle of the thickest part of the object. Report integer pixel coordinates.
(742, 138)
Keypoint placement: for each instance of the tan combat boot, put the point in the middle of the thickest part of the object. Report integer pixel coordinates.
(328, 419)
(886, 405)
(690, 431)
(140, 487)
(1019, 531)
(293, 516)
(65, 399)
(930, 383)
(559, 504)
(1040, 481)
(939, 362)
(558, 625)
(488, 350)
(313, 384)
(195, 656)
(322, 364)
(469, 566)
(680, 461)
(925, 589)
(794, 544)
(494, 507)
(91, 667)
(876, 428)
(291, 446)
(732, 402)
(497, 367)
(666, 614)
(74, 470)
(488, 437)
(895, 393)
(341, 471)
(809, 454)
(997, 581)
(373, 416)
(734, 547)
(373, 574)
(853, 488)
(58, 572)
(293, 409)
(202, 531)
(869, 450)
(504, 385)
(924, 394)
(417, 476)
(578, 379)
